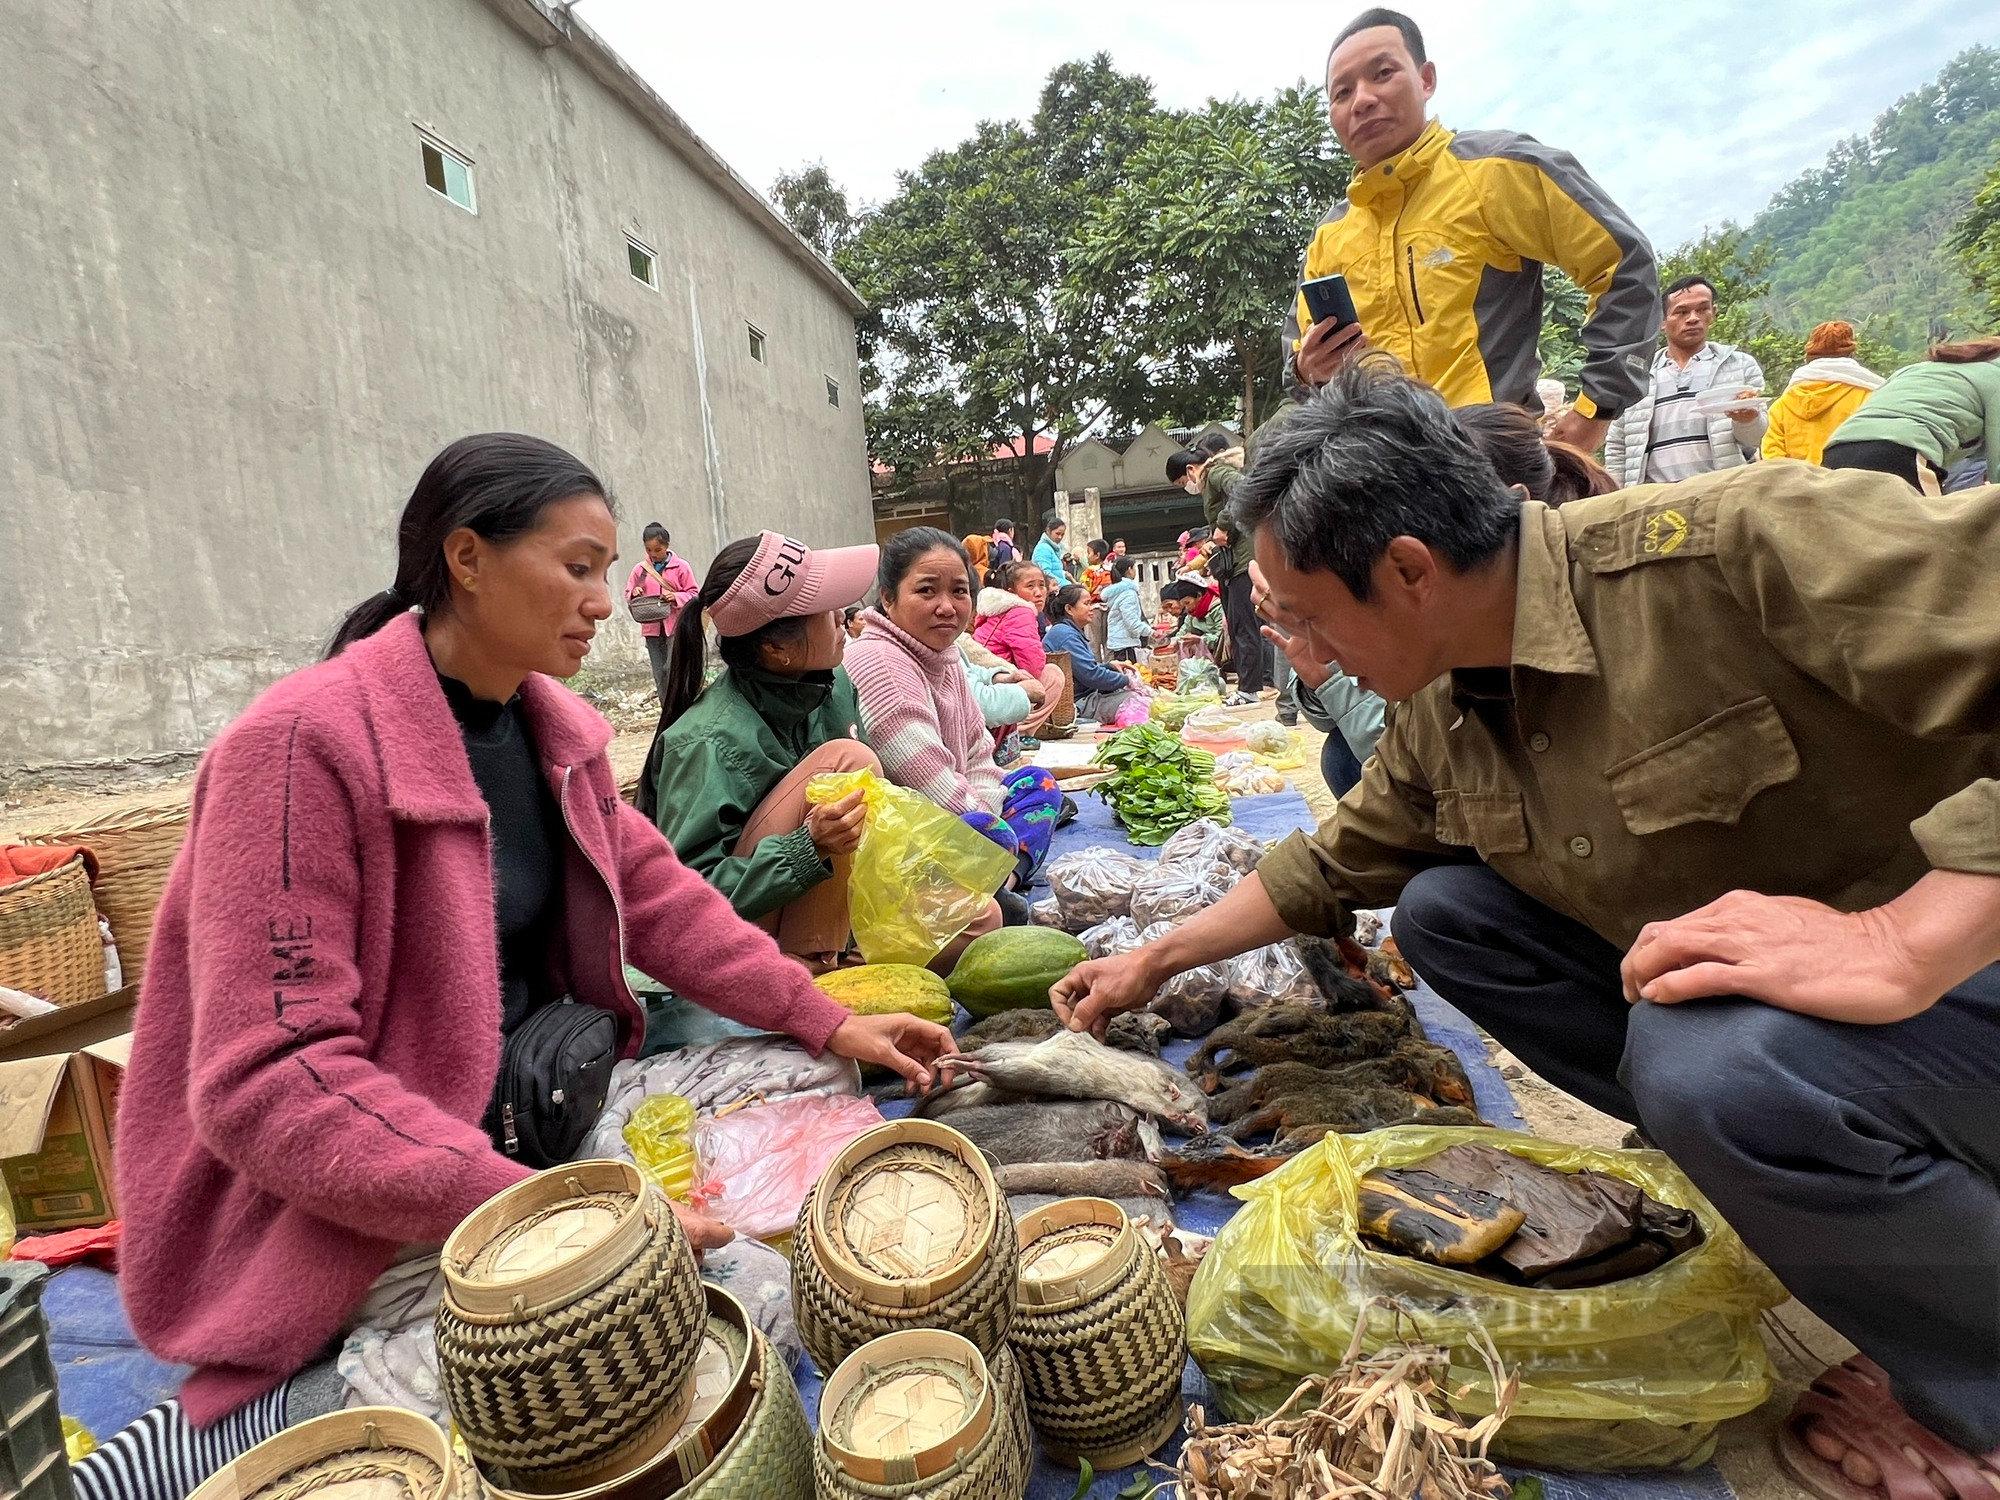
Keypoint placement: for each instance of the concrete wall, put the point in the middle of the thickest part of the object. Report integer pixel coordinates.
(235, 324)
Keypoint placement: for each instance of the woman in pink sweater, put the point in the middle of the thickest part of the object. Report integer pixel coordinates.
(917, 706)
(397, 857)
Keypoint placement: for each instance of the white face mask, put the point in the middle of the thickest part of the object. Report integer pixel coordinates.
(1192, 486)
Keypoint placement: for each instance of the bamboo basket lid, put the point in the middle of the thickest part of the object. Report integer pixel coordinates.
(1072, 1251)
(907, 1407)
(547, 1241)
(722, 1392)
(364, 1453)
(905, 1213)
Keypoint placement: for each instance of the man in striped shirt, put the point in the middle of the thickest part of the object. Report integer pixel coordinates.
(1668, 436)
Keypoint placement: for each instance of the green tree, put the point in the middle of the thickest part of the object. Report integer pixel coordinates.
(1975, 240)
(817, 208)
(1564, 307)
(970, 344)
(1198, 249)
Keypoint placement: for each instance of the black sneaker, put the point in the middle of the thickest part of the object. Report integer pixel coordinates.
(1289, 718)
(1068, 814)
(1013, 908)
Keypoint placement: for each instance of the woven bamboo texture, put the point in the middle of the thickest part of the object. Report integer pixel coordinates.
(834, 1321)
(1100, 1360)
(765, 1455)
(382, 1452)
(48, 936)
(135, 850)
(558, 1397)
(996, 1470)
(1062, 723)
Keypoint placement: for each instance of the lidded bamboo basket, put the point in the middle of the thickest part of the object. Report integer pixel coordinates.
(922, 1413)
(571, 1321)
(363, 1453)
(905, 1229)
(135, 851)
(1100, 1340)
(744, 1436)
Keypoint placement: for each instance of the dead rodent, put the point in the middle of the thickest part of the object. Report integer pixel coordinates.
(1085, 1179)
(1341, 971)
(1047, 1130)
(1132, 1032)
(1075, 1065)
(1302, 1136)
(1298, 1033)
(1346, 1108)
(1414, 1067)
(1216, 1163)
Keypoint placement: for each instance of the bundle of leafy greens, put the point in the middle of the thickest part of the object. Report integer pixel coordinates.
(1158, 785)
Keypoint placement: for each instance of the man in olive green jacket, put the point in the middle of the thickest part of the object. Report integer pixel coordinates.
(1691, 801)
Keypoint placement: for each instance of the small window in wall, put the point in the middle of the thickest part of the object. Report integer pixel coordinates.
(448, 174)
(645, 266)
(756, 341)
(832, 391)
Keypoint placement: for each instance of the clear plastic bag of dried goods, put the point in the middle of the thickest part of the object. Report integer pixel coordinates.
(1271, 975)
(1094, 885)
(1175, 893)
(1191, 1002)
(1109, 939)
(1205, 842)
(1635, 1374)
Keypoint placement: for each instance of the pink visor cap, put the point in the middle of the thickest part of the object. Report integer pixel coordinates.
(787, 579)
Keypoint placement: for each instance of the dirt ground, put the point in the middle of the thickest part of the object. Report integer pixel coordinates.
(1801, 1345)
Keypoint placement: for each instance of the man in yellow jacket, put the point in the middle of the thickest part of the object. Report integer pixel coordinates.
(1442, 238)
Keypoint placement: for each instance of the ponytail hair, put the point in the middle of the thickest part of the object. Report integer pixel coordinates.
(689, 669)
(494, 484)
(1575, 475)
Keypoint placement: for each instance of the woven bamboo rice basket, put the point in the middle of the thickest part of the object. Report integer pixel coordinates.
(48, 936)
(905, 1229)
(134, 850)
(1062, 723)
(923, 1414)
(363, 1453)
(744, 1437)
(1100, 1340)
(571, 1320)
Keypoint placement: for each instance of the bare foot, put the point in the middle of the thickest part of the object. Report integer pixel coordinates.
(1850, 1439)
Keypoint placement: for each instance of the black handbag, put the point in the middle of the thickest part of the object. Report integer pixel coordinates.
(555, 1071)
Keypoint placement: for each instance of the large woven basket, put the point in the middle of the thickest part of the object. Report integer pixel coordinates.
(363, 1453)
(134, 851)
(744, 1437)
(48, 936)
(571, 1320)
(1062, 723)
(1100, 1340)
(905, 1229)
(922, 1413)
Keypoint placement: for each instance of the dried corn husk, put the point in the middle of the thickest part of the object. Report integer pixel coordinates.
(1380, 1427)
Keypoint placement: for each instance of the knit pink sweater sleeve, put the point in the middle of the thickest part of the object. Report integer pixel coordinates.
(903, 725)
(684, 933)
(282, 1090)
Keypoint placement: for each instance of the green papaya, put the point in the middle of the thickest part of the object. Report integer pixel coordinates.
(1013, 969)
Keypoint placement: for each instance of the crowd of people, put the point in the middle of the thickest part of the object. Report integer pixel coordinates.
(1679, 768)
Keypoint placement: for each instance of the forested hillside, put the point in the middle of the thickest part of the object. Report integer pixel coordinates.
(1866, 237)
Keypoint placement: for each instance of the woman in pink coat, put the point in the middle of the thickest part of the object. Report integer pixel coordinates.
(1010, 626)
(399, 859)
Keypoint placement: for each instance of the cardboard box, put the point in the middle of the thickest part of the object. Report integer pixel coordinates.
(59, 1081)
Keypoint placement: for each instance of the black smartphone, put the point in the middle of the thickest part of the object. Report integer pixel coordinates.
(1328, 300)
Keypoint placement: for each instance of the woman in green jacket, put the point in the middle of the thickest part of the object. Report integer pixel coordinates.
(1925, 417)
(726, 777)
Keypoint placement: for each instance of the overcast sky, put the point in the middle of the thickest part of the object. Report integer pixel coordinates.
(1688, 120)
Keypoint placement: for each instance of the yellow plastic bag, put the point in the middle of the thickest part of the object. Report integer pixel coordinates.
(661, 1135)
(1635, 1374)
(920, 877)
